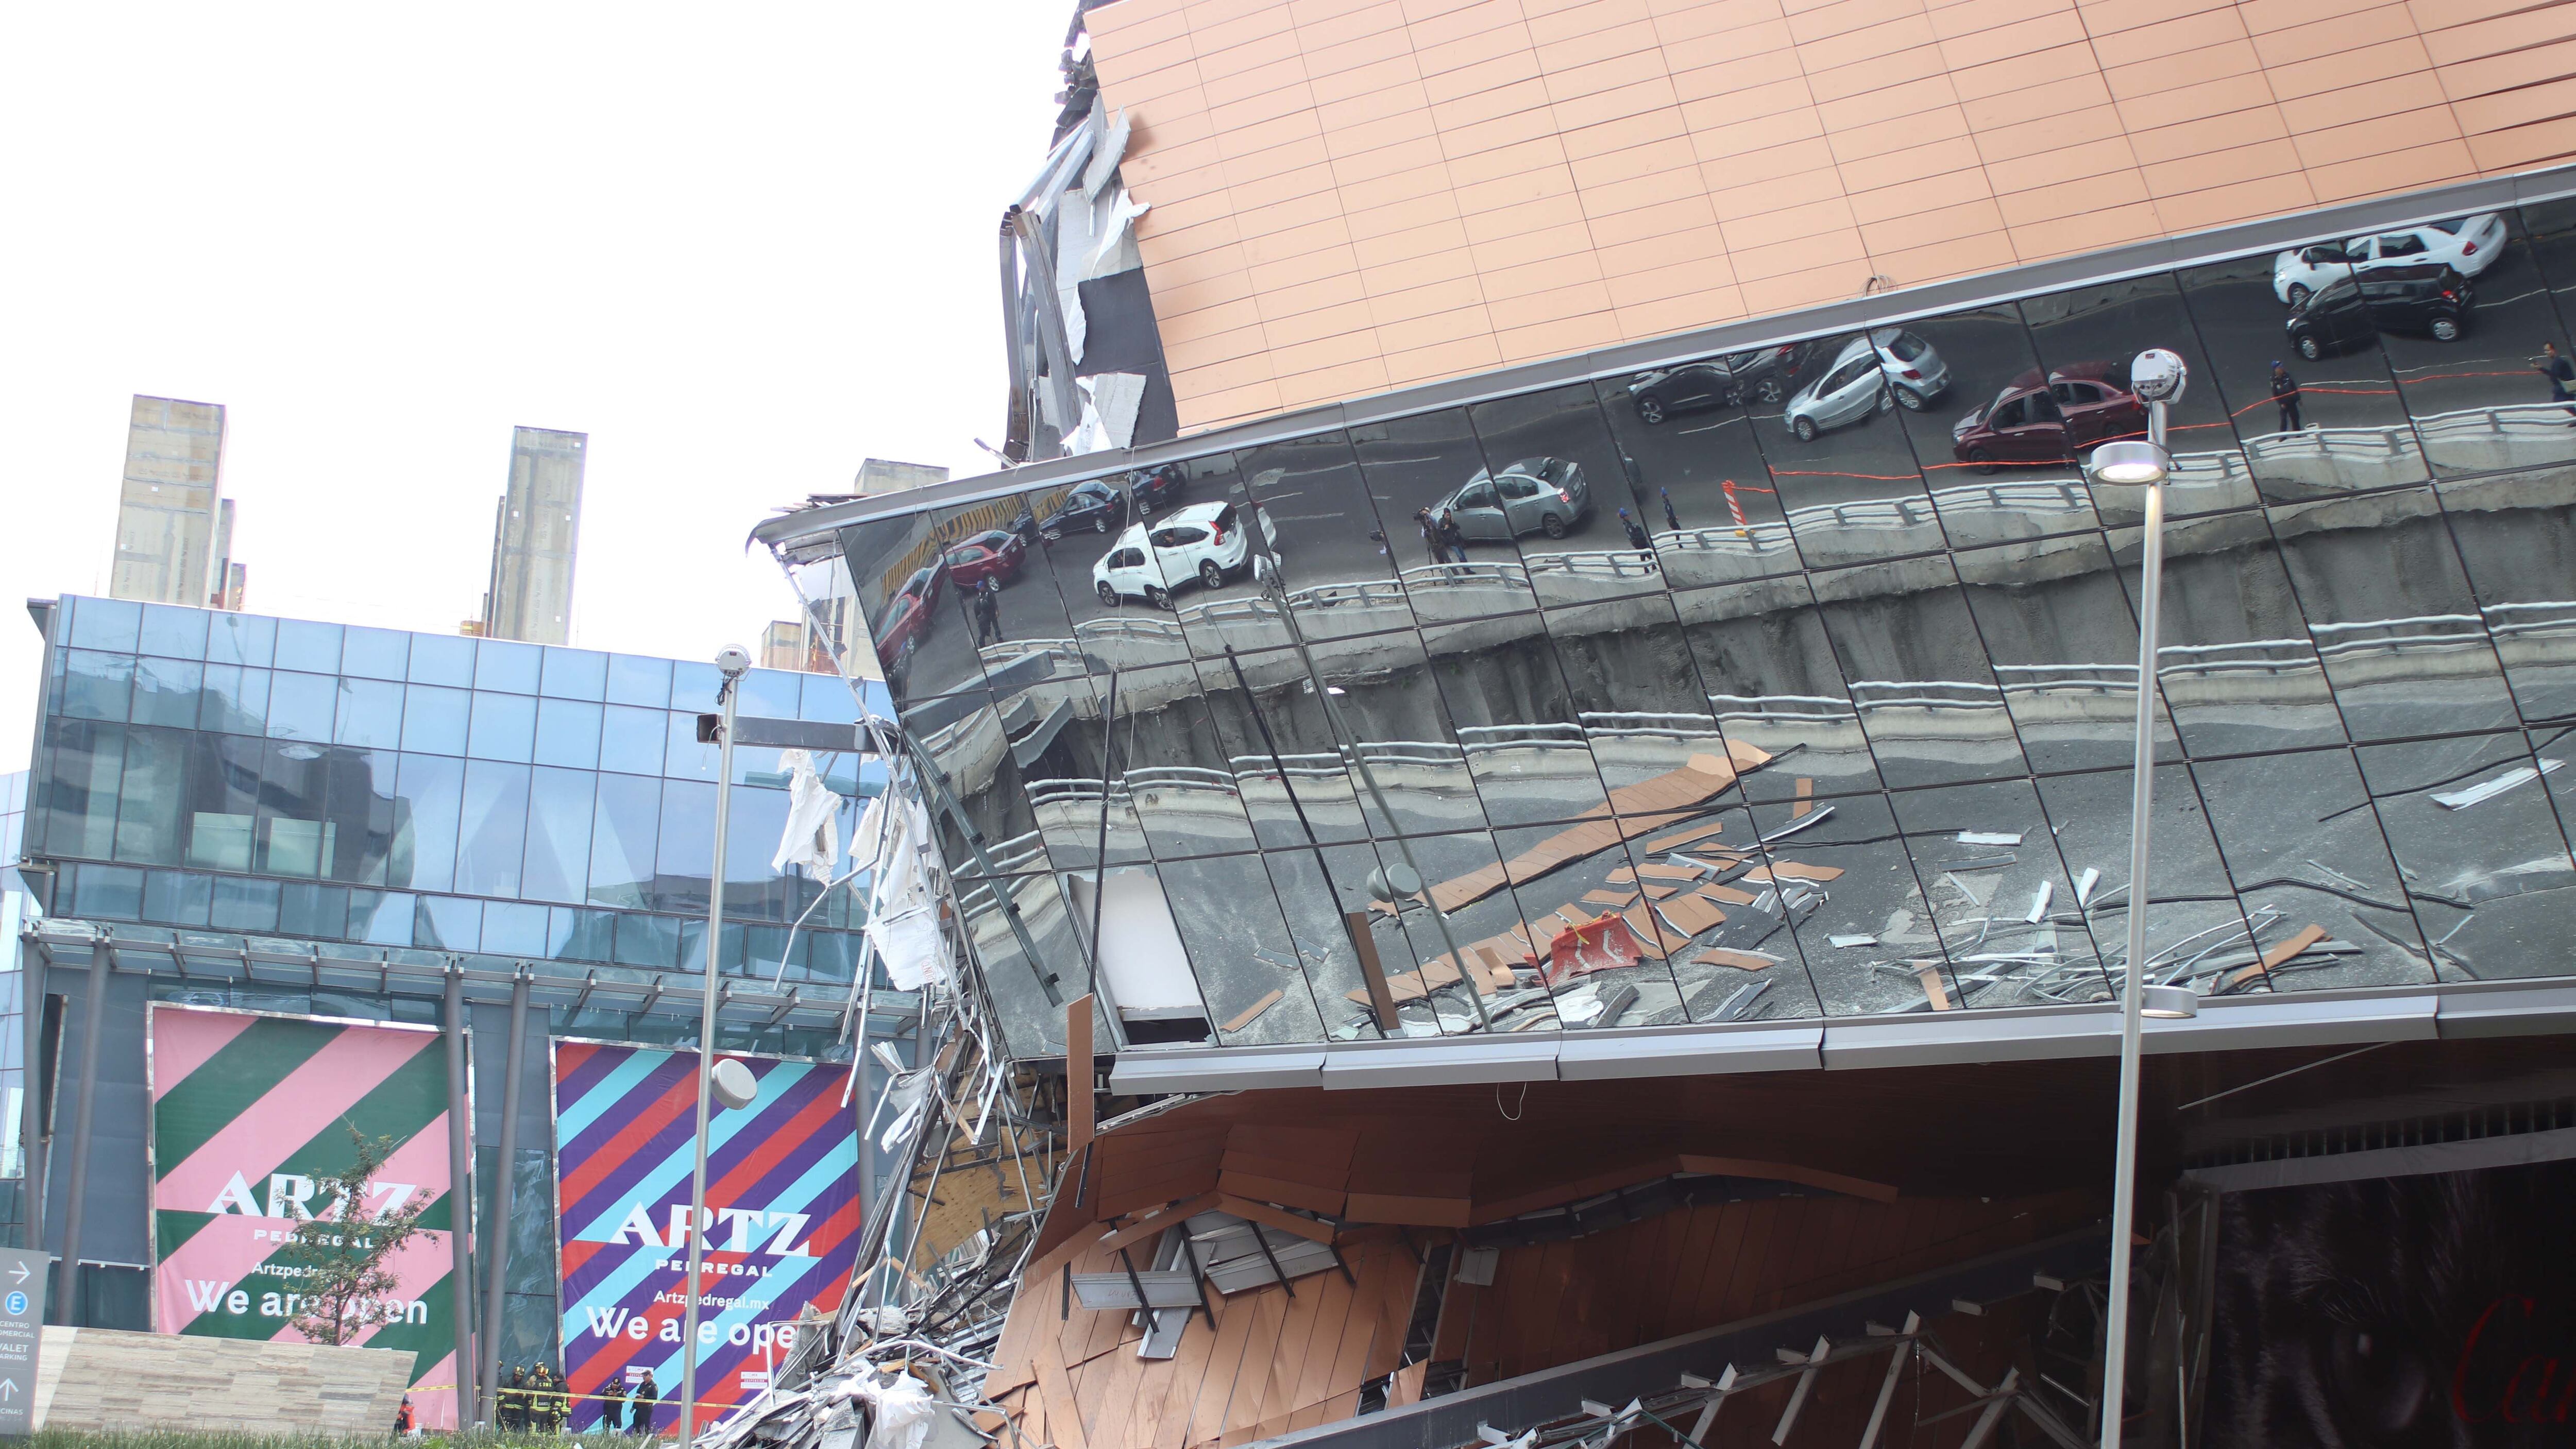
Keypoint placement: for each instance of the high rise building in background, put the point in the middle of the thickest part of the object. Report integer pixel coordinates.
(173, 527)
(536, 531)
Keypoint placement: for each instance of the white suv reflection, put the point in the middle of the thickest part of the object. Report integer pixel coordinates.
(1205, 542)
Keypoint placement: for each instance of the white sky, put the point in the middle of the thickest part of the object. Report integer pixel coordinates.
(742, 247)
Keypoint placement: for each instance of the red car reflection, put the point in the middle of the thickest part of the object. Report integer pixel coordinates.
(2052, 419)
(907, 619)
(996, 555)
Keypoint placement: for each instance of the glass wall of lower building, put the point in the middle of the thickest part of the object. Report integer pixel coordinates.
(1795, 681)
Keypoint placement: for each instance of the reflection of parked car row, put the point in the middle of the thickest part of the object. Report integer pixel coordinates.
(1867, 374)
(2054, 418)
(1205, 542)
(2427, 301)
(1534, 495)
(2467, 245)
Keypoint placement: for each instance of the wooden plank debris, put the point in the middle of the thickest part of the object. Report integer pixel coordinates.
(1252, 1013)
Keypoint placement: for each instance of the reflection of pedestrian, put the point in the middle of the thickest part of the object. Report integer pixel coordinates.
(988, 612)
(1453, 538)
(2553, 364)
(1431, 540)
(2285, 391)
(1636, 531)
(1671, 519)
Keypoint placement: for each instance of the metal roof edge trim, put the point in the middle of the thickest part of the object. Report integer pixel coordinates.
(1906, 304)
(1421, 1062)
(2416, 1160)
(1676, 1050)
(1141, 1070)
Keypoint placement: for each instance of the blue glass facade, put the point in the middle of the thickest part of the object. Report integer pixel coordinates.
(279, 777)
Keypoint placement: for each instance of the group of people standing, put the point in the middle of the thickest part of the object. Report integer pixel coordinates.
(536, 1400)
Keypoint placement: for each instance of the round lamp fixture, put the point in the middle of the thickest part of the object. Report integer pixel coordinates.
(1394, 883)
(2130, 463)
(2168, 1003)
(2158, 375)
(735, 1086)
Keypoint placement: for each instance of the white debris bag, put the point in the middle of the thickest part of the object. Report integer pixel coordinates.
(813, 835)
(899, 1414)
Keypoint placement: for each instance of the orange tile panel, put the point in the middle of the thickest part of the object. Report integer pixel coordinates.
(1260, 248)
(1514, 188)
(1485, 103)
(1186, 354)
(2524, 145)
(1753, 104)
(1800, 188)
(1470, 55)
(1845, 17)
(1724, 145)
(1338, 350)
(2221, 168)
(2515, 108)
(1436, 22)
(1420, 241)
(1582, 48)
(2535, 65)
(2169, 38)
(1884, 102)
(1972, 17)
(2219, 97)
(1681, 313)
(2067, 198)
(1532, 246)
(1445, 86)
(2006, 43)
(1226, 373)
(2085, 230)
(1622, 133)
(1178, 298)
(1530, 278)
(1736, 75)
(1311, 13)
(1189, 227)
(1575, 83)
(1831, 282)
(1388, 130)
(1703, 245)
(2068, 164)
(1307, 267)
(2354, 141)
(1264, 135)
(1291, 199)
(1925, 228)
(1249, 70)
(1127, 62)
(2168, 73)
(1497, 163)
(1557, 339)
(1680, 280)
(1610, 105)
(1763, 261)
(1412, 183)
(2333, 37)
(1203, 408)
(1653, 221)
(1587, 17)
(1990, 82)
(1612, 197)
(1554, 304)
(1185, 327)
(2214, 133)
(1954, 166)
(1927, 193)
(1422, 210)
(1444, 359)
(1152, 85)
(1229, 24)
(1436, 328)
(1132, 23)
(1728, 47)
(2002, 145)
(1376, 105)
(1146, 170)
(2431, 165)
(1385, 18)
(1862, 142)
(1504, 130)
(2453, 43)
(2352, 67)
(2433, 15)
(1404, 157)
(1852, 47)
(2241, 201)
(1462, 289)
(1336, 290)
(2112, 17)
(2262, 17)
(1337, 71)
(1529, 216)
(1247, 112)
(1680, 20)
(1666, 153)
(1330, 384)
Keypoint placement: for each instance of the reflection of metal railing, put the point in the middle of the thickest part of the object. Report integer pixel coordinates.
(1913, 512)
(1301, 767)
(2422, 633)
(1217, 612)
(1783, 708)
(2046, 495)
(1428, 577)
(2519, 621)
(1010, 651)
(1630, 725)
(1610, 563)
(1754, 538)
(1551, 736)
(2266, 657)
(2539, 420)
(1870, 694)
(1363, 592)
(2396, 441)
(1129, 626)
(2068, 678)
(1019, 852)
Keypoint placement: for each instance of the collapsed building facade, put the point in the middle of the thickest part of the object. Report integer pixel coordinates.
(1568, 879)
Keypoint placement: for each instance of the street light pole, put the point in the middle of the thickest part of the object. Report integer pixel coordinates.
(733, 662)
(2158, 376)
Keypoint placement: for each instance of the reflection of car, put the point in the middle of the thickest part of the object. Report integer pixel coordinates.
(907, 618)
(2051, 419)
(1711, 382)
(927, 584)
(1094, 505)
(996, 555)
(1205, 541)
(1854, 387)
(2466, 244)
(2431, 301)
(1534, 495)
(1158, 486)
(1915, 373)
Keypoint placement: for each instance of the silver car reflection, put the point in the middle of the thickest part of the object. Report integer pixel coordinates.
(1534, 495)
(1850, 390)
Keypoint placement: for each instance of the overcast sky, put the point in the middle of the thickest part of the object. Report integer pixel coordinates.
(742, 248)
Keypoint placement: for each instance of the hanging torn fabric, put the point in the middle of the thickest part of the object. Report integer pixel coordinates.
(813, 835)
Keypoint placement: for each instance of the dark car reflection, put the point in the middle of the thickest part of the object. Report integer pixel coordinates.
(997, 555)
(1766, 376)
(1096, 506)
(2051, 418)
(1534, 495)
(2425, 301)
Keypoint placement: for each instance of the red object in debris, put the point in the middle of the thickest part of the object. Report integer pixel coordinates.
(1596, 945)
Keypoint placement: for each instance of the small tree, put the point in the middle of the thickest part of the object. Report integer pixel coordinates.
(340, 1255)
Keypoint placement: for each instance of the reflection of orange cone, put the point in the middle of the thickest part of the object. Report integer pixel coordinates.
(1596, 945)
(1737, 509)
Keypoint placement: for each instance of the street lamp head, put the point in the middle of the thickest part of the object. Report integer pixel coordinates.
(2130, 463)
(2158, 376)
(732, 1083)
(733, 660)
(2168, 1003)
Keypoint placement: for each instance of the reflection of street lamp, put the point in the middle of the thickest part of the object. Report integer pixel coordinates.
(2158, 376)
(734, 662)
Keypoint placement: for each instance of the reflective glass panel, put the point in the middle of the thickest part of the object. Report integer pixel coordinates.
(1774, 684)
(309, 646)
(2056, 624)
(95, 685)
(1423, 473)
(504, 727)
(235, 701)
(574, 674)
(165, 691)
(2317, 860)
(2481, 851)
(1918, 673)
(2517, 539)
(375, 653)
(1696, 474)
(568, 733)
(1562, 493)
(624, 836)
(173, 632)
(240, 639)
(2234, 659)
(112, 624)
(442, 660)
(2478, 350)
(504, 665)
(1996, 433)
(1338, 561)
(2099, 329)
(1998, 891)
(302, 706)
(1840, 458)
(371, 714)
